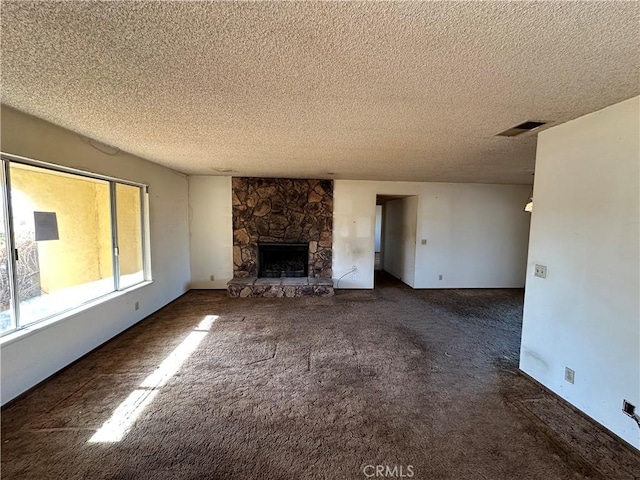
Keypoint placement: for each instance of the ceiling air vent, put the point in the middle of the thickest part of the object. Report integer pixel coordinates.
(520, 129)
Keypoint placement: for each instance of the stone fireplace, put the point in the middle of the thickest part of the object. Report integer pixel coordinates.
(282, 229)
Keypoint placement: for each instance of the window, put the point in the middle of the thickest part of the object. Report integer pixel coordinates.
(129, 228)
(67, 238)
(7, 317)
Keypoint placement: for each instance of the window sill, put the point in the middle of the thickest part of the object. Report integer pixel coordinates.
(34, 328)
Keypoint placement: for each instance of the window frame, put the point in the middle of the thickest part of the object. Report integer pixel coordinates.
(6, 159)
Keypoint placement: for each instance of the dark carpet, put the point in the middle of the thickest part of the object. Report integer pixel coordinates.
(384, 383)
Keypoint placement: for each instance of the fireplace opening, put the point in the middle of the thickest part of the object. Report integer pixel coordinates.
(283, 260)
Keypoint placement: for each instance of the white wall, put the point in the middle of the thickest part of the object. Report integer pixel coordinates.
(34, 356)
(211, 231)
(400, 239)
(585, 228)
(476, 234)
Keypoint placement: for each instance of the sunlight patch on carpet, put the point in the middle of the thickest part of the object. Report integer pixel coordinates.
(124, 416)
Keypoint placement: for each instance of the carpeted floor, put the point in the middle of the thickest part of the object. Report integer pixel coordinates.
(385, 383)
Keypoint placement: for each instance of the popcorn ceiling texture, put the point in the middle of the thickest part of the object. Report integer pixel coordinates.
(380, 91)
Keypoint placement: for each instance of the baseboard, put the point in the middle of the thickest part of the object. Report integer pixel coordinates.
(590, 419)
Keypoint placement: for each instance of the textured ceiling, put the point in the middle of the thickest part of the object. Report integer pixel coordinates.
(380, 91)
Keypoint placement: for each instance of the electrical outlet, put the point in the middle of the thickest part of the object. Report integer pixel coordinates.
(628, 408)
(439, 277)
(354, 277)
(541, 271)
(212, 277)
(569, 375)
(137, 306)
(423, 241)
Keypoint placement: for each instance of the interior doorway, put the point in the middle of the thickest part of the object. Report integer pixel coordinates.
(395, 237)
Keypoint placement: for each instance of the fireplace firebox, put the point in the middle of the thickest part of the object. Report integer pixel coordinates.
(283, 260)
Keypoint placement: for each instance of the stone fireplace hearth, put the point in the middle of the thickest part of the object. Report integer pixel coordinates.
(274, 217)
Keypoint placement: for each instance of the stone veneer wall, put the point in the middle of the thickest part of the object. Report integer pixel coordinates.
(282, 210)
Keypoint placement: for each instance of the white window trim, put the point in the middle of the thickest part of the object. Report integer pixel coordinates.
(71, 170)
